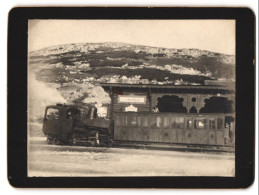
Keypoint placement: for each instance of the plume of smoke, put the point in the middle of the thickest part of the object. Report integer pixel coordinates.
(39, 96)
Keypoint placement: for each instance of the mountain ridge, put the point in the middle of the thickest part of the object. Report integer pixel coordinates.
(70, 72)
(117, 62)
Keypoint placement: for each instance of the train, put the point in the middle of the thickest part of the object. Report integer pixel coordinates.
(78, 125)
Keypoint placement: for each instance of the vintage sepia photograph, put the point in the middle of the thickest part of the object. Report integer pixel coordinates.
(119, 98)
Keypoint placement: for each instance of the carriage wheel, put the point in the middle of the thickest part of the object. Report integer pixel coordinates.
(58, 142)
(109, 142)
(73, 141)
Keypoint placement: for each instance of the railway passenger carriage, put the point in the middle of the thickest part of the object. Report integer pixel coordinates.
(202, 115)
(209, 129)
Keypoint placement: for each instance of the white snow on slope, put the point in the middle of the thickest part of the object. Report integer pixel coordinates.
(173, 68)
(97, 95)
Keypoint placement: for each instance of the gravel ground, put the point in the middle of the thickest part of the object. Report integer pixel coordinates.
(51, 160)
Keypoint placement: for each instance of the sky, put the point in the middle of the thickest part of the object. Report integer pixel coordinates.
(212, 35)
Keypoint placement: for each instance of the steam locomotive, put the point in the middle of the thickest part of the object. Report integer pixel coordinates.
(70, 124)
(76, 125)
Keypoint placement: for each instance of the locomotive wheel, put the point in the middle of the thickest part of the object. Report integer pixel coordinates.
(73, 139)
(57, 141)
(109, 144)
(93, 143)
(53, 139)
(50, 139)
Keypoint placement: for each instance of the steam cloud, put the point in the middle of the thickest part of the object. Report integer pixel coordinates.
(39, 96)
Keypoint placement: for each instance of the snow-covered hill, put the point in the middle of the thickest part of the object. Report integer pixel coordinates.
(72, 70)
(82, 58)
(100, 47)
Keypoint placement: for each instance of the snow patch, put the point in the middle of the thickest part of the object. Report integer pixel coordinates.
(97, 95)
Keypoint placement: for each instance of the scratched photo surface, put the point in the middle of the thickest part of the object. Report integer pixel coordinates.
(131, 98)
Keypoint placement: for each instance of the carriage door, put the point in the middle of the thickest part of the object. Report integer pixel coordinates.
(190, 134)
(220, 131)
(212, 130)
(120, 127)
(201, 128)
(229, 132)
(145, 136)
(166, 132)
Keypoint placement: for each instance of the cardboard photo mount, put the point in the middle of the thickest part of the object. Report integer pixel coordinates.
(17, 95)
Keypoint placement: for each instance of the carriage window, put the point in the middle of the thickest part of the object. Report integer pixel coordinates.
(131, 121)
(156, 121)
(77, 114)
(69, 114)
(145, 121)
(189, 123)
(52, 113)
(178, 122)
(166, 122)
(159, 121)
(153, 121)
(83, 113)
(200, 124)
(73, 113)
(212, 123)
(220, 123)
(139, 121)
(119, 120)
(125, 120)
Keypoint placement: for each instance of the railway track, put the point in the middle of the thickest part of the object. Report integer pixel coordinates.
(175, 147)
(154, 146)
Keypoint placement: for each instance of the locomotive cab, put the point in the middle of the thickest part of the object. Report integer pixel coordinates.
(59, 121)
(71, 124)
